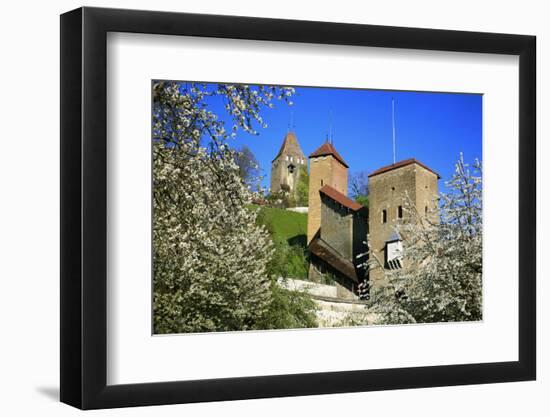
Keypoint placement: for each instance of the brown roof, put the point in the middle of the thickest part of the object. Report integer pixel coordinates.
(290, 146)
(340, 198)
(328, 149)
(324, 251)
(400, 164)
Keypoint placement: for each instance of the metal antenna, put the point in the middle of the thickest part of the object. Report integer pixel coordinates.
(330, 126)
(289, 123)
(393, 126)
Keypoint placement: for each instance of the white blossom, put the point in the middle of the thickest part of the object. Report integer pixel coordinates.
(210, 257)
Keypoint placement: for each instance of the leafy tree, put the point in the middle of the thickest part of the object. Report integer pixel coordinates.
(302, 187)
(278, 200)
(288, 310)
(289, 199)
(359, 187)
(249, 168)
(210, 258)
(288, 261)
(363, 200)
(444, 279)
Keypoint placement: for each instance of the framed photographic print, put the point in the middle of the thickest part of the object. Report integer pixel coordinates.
(257, 208)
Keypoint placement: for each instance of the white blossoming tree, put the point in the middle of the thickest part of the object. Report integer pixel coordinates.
(444, 279)
(210, 257)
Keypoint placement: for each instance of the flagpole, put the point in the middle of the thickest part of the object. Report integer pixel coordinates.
(330, 125)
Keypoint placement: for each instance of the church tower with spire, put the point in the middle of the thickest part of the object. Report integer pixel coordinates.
(285, 167)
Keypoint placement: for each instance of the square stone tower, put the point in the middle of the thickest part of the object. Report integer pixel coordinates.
(326, 167)
(387, 188)
(285, 167)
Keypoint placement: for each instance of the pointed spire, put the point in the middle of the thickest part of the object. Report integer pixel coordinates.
(290, 145)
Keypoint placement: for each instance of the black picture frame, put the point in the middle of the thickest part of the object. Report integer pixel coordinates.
(84, 207)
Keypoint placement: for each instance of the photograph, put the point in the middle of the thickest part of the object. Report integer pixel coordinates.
(294, 207)
(264, 209)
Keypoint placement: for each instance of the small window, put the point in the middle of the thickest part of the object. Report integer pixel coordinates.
(384, 216)
(400, 212)
(426, 210)
(321, 183)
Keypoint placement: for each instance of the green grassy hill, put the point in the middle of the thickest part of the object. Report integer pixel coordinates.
(289, 233)
(283, 225)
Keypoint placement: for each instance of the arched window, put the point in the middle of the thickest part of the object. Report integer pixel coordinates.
(400, 212)
(384, 216)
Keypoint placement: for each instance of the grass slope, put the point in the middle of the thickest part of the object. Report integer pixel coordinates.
(288, 231)
(284, 225)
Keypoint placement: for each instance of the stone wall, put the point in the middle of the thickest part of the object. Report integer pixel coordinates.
(334, 308)
(360, 231)
(302, 210)
(387, 191)
(312, 288)
(337, 227)
(323, 170)
(427, 194)
(281, 175)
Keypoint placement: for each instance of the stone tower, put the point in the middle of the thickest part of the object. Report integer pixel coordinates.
(387, 188)
(285, 168)
(326, 167)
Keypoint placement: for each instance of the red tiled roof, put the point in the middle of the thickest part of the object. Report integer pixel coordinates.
(322, 250)
(290, 145)
(328, 149)
(340, 198)
(400, 164)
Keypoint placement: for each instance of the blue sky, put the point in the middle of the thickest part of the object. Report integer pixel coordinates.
(431, 127)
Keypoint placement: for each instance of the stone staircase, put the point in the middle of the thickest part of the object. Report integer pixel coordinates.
(337, 307)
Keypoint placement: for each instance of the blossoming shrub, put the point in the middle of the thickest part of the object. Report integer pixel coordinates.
(210, 257)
